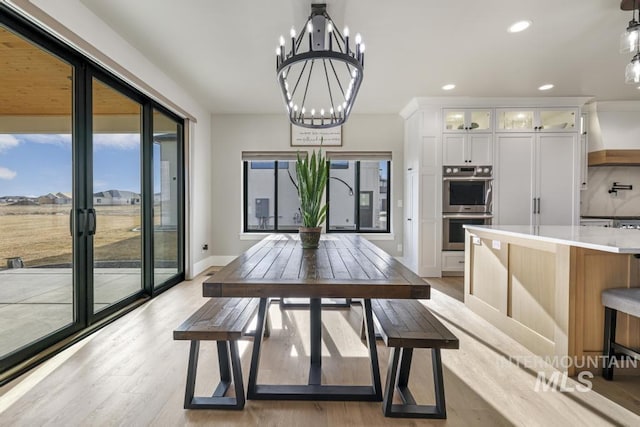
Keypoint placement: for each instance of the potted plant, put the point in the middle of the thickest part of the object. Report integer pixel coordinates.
(312, 173)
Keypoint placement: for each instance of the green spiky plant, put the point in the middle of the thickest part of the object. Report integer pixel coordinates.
(312, 173)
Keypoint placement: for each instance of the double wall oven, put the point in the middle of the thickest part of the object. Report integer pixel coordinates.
(466, 199)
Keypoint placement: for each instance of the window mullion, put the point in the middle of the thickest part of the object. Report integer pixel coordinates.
(275, 196)
(357, 196)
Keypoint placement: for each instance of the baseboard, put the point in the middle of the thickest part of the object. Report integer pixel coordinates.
(222, 260)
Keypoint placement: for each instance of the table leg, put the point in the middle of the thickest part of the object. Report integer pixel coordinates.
(373, 351)
(257, 343)
(315, 325)
(314, 390)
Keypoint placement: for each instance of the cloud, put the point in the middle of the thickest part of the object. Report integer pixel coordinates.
(7, 173)
(123, 141)
(47, 138)
(8, 141)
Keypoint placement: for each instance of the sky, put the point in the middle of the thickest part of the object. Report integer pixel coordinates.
(38, 164)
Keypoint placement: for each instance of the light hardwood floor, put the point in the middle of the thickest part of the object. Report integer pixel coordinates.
(133, 373)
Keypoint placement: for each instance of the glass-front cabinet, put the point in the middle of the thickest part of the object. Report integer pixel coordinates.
(536, 119)
(466, 119)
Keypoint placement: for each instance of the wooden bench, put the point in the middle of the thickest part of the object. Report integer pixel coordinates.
(405, 325)
(224, 320)
(625, 300)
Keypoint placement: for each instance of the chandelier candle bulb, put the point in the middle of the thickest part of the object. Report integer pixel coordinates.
(346, 40)
(292, 33)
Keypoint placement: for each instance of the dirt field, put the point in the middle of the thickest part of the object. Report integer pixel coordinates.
(40, 235)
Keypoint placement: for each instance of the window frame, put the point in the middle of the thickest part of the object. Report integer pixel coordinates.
(356, 194)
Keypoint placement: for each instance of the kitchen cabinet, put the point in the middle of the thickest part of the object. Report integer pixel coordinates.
(422, 241)
(467, 149)
(463, 120)
(537, 119)
(535, 179)
(453, 261)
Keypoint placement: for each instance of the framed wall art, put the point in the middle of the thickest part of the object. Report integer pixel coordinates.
(306, 137)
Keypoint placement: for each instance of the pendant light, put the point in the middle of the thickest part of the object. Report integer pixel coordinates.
(319, 80)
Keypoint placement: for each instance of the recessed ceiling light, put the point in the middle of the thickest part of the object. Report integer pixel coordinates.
(448, 86)
(519, 26)
(546, 86)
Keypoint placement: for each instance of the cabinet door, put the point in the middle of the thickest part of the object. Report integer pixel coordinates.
(479, 149)
(453, 149)
(454, 120)
(410, 241)
(515, 120)
(557, 167)
(558, 120)
(514, 179)
(479, 121)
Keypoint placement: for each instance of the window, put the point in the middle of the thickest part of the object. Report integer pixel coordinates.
(270, 192)
(357, 191)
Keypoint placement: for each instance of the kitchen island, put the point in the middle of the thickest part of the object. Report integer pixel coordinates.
(542, 285)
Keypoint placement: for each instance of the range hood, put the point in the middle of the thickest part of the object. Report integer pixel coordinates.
(614, 133)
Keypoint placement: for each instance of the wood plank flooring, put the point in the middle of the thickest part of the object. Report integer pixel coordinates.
(133, 373)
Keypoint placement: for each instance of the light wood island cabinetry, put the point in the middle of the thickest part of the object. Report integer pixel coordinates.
(542, 286)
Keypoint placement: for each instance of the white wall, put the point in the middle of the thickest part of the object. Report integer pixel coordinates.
(232, 134)
(84, 26)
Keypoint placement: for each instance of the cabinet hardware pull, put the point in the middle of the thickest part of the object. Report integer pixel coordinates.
(538, 205)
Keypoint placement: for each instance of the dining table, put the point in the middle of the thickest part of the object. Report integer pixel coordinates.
(343, 266)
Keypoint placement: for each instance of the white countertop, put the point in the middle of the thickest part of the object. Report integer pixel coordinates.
(616, 240)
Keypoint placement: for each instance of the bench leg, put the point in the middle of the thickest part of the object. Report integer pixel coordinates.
(398, 376)
(608, 350)
(218, 399)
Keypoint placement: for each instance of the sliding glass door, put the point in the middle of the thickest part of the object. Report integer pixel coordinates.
(36, 171)
(116, 196)
(167, 202)
(91, 193)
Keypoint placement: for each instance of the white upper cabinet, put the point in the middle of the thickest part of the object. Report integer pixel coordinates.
(467, 120)
(467, 136)
(537, 119)
(467, 149)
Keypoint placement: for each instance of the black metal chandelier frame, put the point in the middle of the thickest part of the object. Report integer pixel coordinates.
(331, 58)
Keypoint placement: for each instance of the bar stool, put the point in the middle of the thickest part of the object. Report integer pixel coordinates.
(625, 300)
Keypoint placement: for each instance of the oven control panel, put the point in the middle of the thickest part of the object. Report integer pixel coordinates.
(467, 171)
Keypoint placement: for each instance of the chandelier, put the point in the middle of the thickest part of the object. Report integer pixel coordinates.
(630, 42)
(320, 72)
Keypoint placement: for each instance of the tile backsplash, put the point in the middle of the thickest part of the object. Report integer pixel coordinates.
(596, 199)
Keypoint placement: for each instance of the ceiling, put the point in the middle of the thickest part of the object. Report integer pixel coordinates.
(223, 52)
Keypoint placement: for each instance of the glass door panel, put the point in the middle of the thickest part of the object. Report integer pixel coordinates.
(515, 120)
(166, 202)
(36, 183)
(558, 120)
(117, 198)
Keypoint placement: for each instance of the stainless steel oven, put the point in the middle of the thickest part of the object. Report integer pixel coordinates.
(467, 189)
(453, 230)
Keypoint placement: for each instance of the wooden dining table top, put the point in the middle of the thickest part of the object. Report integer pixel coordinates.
(344, 266)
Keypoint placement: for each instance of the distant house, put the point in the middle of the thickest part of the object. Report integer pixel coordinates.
(54, 199)
(64, 198)
(116, 197)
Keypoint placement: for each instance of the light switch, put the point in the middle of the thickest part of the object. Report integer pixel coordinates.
(399, 203)
(495, 244)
